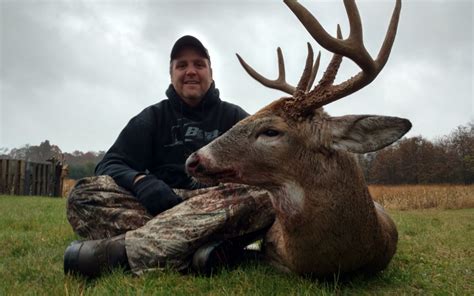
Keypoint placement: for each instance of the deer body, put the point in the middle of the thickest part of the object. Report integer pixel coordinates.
(326, 221)
(327, 235)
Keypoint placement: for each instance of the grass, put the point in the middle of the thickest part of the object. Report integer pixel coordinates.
(435, 257)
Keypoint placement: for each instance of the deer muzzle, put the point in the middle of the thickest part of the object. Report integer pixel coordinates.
(193, 164)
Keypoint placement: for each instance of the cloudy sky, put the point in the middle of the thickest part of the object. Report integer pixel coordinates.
(75, 72)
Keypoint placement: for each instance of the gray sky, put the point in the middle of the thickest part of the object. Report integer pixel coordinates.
(75, 72)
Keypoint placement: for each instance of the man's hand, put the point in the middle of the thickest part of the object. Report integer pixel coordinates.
(154, 194)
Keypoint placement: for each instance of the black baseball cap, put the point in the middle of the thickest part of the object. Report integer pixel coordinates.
(188, 41)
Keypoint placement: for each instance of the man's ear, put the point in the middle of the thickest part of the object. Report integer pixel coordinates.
(366, 133)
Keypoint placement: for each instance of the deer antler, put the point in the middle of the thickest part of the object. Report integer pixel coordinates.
(352, 47)
(305, 101)
(309, 73)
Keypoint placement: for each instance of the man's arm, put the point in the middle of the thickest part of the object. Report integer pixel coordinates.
(126, 162)
(128, 156)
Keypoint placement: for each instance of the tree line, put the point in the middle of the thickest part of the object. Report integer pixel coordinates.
(415, 160)
(79, 164)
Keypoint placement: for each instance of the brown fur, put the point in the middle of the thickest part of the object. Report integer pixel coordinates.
(338, 228)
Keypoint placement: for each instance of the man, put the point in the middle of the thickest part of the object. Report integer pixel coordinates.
(133, 211)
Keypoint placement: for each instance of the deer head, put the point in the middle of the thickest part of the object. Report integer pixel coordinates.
(294, 128)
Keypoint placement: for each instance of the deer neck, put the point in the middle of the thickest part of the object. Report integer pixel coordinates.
(327, 213)
(323, 197)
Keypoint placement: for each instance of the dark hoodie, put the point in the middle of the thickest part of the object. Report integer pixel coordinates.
(160, 138)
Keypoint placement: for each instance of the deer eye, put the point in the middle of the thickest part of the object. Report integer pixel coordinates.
(270, 133)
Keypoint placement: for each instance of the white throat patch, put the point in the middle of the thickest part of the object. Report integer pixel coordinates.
(291, 198)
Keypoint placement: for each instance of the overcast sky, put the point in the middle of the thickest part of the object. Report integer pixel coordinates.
(75, 72)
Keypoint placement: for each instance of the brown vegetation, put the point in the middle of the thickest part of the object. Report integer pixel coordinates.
(68, 184)
(401, 197)
(412, 197)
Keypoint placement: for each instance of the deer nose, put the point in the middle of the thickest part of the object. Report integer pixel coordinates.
(192, 163)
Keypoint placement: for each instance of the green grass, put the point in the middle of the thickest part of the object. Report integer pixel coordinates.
(435, 257)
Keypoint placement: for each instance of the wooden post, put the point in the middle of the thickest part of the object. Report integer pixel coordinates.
(7, 178)
(22, 169)
(17, 173)
(34, 179)
(11, 177)
(48, 180)
(40, 179)
(37, 179)
(44, 179)
(28, 179)
(57, 181)
(50, 187)
(2, 179)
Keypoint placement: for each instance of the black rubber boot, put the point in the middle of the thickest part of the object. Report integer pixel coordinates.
(226, 253)
(92, 258)
(216, 254)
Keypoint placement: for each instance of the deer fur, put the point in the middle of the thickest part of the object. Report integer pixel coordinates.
(326, 221)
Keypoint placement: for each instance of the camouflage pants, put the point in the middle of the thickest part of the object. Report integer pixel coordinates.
(98, 208)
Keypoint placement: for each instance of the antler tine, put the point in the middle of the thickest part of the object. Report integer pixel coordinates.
(314, 71)
(331, 71)
(307, 74)
(366, 62)
(386, 48)
(311, 24)
(279, 83)
(352, 47)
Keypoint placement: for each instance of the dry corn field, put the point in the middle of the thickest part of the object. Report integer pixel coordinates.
(402, 197)
(412, 197)
(68, 184)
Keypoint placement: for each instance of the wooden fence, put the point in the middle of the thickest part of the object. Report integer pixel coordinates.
(20, 177)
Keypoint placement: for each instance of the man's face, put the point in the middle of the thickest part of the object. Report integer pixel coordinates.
(191, 76)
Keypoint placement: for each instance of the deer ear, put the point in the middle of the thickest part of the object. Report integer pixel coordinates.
(366, 133)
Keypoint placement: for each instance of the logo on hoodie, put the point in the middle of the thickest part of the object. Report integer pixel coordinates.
(191, 132)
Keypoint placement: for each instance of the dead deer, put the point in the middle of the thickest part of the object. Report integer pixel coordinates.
(326, 221)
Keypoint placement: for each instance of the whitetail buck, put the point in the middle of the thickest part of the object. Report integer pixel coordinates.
(326, 221)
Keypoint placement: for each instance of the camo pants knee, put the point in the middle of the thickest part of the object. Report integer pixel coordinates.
(98, 208)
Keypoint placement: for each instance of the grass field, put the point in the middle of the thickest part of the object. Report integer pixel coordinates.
(435, 257)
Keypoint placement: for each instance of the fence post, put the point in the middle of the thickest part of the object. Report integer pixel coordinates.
(41, 180)
(28, 175)
(38, 179)
(7, 178)
(2, 179)
(21, 176)
(44, 189)
(50, 187)
(35, 179)
(11, 177)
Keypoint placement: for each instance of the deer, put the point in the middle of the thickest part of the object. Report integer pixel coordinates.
(326, 221)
